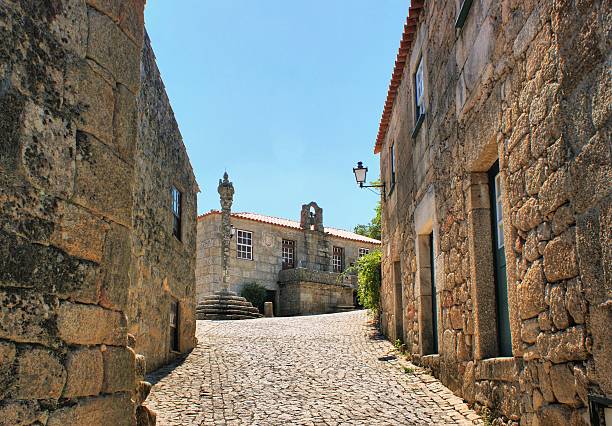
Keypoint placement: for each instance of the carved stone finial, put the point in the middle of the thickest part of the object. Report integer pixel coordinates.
(226, 191)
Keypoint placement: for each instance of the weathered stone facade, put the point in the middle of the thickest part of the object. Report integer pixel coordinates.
(526, 84)
(70, 171)
(309, 287)
(306, 292)
(163, 266)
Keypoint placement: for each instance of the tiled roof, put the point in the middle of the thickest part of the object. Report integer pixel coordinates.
(341, 233)
(410, 29)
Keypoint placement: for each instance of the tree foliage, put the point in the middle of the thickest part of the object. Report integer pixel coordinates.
(254, 293)
(372, 229)
(369, 279)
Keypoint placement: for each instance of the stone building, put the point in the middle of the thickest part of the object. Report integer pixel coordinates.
(495, 151)
(90, 154)
(299, 263)
(162, 276)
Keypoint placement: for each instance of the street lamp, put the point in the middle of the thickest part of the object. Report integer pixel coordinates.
(360, 173)
(232, 231)
(360, 177)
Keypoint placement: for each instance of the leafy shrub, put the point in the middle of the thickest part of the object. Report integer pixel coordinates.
(369, 277)
(254, 293)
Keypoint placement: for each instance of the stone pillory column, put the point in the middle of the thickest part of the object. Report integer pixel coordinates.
(225, 304)
(226, 192)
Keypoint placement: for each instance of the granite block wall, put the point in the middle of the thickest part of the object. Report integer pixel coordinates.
(70, 79)
(163, 266)
(526, 84)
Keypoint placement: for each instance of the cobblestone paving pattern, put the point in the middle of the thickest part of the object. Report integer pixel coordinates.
(311, 370)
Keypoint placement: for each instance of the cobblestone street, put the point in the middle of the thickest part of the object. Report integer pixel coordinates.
(311, 370)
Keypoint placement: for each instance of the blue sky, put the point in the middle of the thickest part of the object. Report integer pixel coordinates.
(285, 95)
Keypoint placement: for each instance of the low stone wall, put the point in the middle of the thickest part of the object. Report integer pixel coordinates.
(306, 292)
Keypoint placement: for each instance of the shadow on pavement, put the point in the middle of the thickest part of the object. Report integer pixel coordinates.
(162, 372)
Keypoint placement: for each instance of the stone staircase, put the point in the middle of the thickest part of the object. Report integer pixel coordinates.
(226, 305)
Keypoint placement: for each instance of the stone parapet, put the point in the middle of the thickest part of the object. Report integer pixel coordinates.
(306, 275)
(307, 292)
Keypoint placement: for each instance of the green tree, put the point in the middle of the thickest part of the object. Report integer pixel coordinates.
(369, 279)
(372, 229)
(254, 293)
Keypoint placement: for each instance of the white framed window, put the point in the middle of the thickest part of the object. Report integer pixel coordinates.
(499, 220)
(338, 259)
(363, 251)
(419, 91)
(244, 244)
(288, 254)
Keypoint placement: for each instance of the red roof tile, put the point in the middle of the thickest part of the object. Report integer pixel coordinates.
(340, 233)
(410, 29)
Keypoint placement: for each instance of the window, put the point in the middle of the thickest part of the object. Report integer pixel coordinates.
(363, 251)
(338, 259)
(504, 336)
(177, 199)
(174, 330)
(392, 165)
(463, 13)
(399, 302)
(419, 91)
(244, 245)
(499, 220)
(288, 254)
(434, 296)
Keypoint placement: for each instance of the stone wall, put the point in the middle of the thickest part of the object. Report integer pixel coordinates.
(305, 292)
(66, 204)
(163, 267)
(527, 83)
(69, 84)
(266, 265)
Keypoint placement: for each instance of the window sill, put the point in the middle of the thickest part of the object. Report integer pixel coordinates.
(418, 125)
(463, 13)
(430, 357)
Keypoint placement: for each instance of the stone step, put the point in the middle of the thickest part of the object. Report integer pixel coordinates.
(225, 317)
(224, 302)
(225, 307)
(223, 297)
(227, 312)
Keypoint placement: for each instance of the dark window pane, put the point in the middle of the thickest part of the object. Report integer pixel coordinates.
(176, 212)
